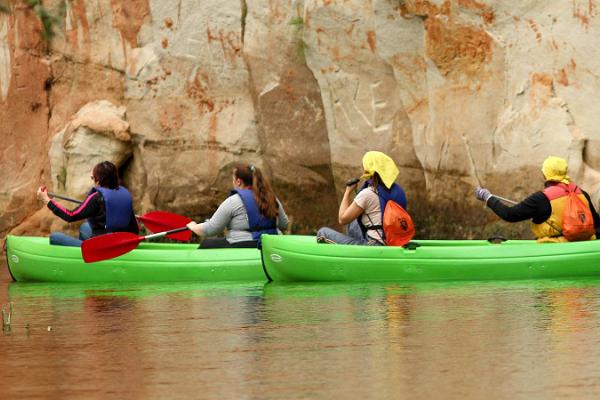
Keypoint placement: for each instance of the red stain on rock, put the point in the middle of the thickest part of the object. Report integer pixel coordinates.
(454, 47)
(583, 12)
(197, 90)
(541, 79)
(168, 22)
(212, 144)
(79, 21)
(542, 89)
(213, 124)
(425, 8)
(535, 29)
(128, 18)
(371, 39)
(231, 43)
(457, 48)
(171, 118)
(164, 43)
(563, 78)
(472, 4)
(485, 11)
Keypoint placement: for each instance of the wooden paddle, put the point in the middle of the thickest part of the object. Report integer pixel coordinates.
(115, 244)
(155, 221)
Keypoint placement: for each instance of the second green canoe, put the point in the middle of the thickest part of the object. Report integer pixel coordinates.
(301, 258)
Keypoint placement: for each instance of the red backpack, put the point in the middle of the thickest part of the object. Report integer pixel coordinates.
(398, 226)
(578, 223)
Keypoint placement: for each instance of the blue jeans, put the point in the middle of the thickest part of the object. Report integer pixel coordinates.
(62, 239)
(354, 236)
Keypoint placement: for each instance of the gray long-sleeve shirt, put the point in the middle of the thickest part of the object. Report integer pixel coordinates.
(231, 215)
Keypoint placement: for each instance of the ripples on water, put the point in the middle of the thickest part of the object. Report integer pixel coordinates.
(270, 341)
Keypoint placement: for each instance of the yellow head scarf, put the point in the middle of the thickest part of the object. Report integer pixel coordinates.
(376, 161)
(555, 169)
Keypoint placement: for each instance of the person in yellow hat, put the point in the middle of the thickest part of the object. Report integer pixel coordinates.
(364, 213)
(544, 208)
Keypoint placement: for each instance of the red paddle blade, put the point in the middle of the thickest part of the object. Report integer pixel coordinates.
(108, 246)
(160, 221)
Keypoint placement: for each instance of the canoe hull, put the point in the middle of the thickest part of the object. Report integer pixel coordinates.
(33, 259)
(297, 258)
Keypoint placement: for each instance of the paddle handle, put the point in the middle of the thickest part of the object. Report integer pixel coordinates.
(165, 233)
(504, 199)
(58, 196)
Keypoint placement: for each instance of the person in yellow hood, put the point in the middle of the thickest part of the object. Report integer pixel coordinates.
(364, 213)
(544, 208)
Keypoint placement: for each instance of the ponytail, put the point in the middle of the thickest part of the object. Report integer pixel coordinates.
(263, 192)
(375, 180)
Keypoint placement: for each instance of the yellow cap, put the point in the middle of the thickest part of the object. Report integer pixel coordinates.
(376, 161)
(555, 169)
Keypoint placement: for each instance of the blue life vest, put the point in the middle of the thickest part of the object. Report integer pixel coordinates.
(118, 207)
(259, 224)
(395, 193)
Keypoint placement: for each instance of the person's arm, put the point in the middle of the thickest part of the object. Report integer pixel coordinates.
(88, 208)
(217, 223)
(595, 216)
(348, 210)
(282, 218)
(536, 207)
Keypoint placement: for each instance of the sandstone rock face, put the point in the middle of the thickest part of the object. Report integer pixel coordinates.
(460, 92)
(97, 132)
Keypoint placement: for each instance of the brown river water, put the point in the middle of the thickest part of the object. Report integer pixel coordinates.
(497, 340)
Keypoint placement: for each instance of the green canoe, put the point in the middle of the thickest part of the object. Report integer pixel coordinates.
(33, 259)
(299, 258)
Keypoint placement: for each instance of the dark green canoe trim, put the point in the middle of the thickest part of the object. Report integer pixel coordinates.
(7, 263)
(262, 261)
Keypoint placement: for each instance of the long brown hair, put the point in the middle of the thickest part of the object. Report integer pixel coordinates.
(376, 180)
(263, 192)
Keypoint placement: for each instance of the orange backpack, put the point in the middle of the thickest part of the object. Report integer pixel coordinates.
(398, 226)
(578, 223)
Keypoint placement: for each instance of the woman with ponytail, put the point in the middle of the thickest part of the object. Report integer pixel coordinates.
(250, 210)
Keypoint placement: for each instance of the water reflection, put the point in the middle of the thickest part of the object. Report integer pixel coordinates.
(534, 339)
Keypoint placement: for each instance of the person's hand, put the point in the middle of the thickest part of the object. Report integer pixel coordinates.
(42, 194)
(482, 194)
(194, 227)
(351, 184)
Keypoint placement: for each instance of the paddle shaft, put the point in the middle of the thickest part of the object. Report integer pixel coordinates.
(504, 199)
(161, 234)
(58, 196)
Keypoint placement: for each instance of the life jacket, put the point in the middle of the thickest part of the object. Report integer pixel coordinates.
(118, 207)
(551, 230)
(396, 227)
(258, 223)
